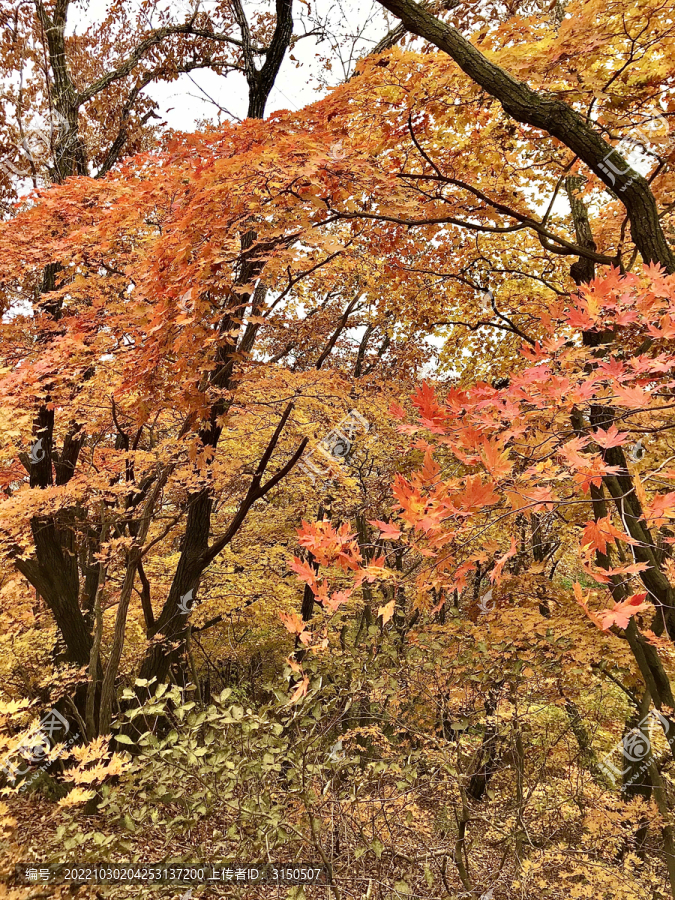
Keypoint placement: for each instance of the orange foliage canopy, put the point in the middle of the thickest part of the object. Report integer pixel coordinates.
(549, 442)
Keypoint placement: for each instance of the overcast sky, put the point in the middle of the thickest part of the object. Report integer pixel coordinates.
(183, 103)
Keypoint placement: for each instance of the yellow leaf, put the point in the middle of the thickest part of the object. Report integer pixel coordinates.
(77, 795)
(386, 611)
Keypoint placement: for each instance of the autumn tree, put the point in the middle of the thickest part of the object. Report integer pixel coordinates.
(217, 305)
(214, 304)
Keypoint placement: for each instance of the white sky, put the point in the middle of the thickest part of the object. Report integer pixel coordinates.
(182, 103)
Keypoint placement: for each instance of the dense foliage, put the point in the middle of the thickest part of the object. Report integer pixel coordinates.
(336, 479)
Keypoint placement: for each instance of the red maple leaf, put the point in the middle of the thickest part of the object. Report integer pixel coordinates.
(432, 414)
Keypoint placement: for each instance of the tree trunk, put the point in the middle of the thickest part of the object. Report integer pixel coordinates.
(547, 112)
(171, 623)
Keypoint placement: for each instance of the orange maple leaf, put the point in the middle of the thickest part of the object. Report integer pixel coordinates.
(621, 613)
(597, 534)
(542, 497)
(633, 398)
(410, 500)
(300, 691)
(430, 469)
(304, 571)
(496, 460)
(584, 605)
(610, 438)
(293, 622)
(475, 495)
(432, 414)
(655, 510)
(335, 601)
(496, 573)
(387, 530)
(386, 611)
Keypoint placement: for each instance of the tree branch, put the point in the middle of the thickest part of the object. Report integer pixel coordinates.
(547, 112)
(255, 491)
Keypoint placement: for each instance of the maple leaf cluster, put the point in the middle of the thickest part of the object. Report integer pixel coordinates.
(494, 457)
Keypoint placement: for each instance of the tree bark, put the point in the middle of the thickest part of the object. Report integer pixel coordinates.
(547, 112)
(172, 619)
